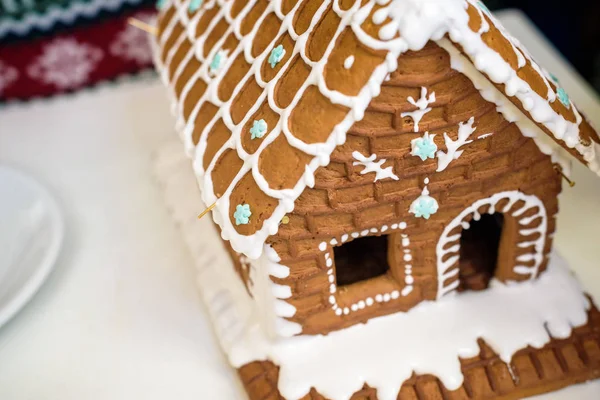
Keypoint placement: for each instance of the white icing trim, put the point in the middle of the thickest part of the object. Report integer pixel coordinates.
(271, 305)
(424, 197)
(465, 129)
(505, 107)
(372, 166)
(381, 297)
(447, 266)
(485, 135)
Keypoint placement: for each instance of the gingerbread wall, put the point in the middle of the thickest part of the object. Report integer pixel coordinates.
(343, 201)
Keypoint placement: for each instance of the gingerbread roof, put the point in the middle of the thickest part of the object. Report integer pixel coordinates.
(266, 90)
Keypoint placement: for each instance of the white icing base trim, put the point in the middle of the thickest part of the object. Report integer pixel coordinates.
(338, 364)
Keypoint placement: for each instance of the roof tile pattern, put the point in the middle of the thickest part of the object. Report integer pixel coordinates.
(217, 61)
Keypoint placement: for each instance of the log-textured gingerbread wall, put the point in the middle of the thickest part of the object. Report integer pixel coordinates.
(344, 201)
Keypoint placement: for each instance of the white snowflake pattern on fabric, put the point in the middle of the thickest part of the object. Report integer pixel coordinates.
(132, 43)
(65, 63)
(8, 76)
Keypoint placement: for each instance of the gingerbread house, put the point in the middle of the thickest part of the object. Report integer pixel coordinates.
(373, 158)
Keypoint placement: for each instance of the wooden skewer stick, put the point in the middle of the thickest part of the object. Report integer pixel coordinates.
(142, 25)
(203, 213)
(559, 169)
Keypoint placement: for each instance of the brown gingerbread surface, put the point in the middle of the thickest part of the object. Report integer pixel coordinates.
(313, 116)
(286, 106)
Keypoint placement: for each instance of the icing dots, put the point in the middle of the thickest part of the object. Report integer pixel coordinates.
(425, 205)
(195, 5)
(378, 298)
(242, 214)
(258, 130)
(349, 62)
(372, 166)
(276, 55)
(217, 62)
(424, 147)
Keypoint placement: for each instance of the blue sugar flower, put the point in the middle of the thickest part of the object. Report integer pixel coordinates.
(217, 62)
(276, 55)
(563, 97)
(242, 214)
(258, 130)
(424, 147)
(195, 5)
(424, 207)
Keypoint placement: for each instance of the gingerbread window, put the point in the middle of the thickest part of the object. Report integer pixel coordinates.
(361, 259)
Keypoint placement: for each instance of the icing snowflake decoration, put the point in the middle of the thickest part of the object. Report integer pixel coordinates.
(425, 205)
(465, 129)
(258, 130)
(372, 166)
(65, 63)
(424, 147)
(217, 62)
(422, 107)
(132, 43)
(242, 214)
(8, 76)
(195, 5)
(276, 55)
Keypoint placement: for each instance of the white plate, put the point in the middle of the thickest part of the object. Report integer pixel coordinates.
(31, 234)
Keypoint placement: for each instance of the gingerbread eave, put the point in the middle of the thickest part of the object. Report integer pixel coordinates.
(265, 91)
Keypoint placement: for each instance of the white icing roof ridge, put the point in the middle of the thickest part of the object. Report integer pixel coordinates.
(416, 22)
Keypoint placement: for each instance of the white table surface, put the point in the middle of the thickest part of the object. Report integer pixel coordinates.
(120, 317)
